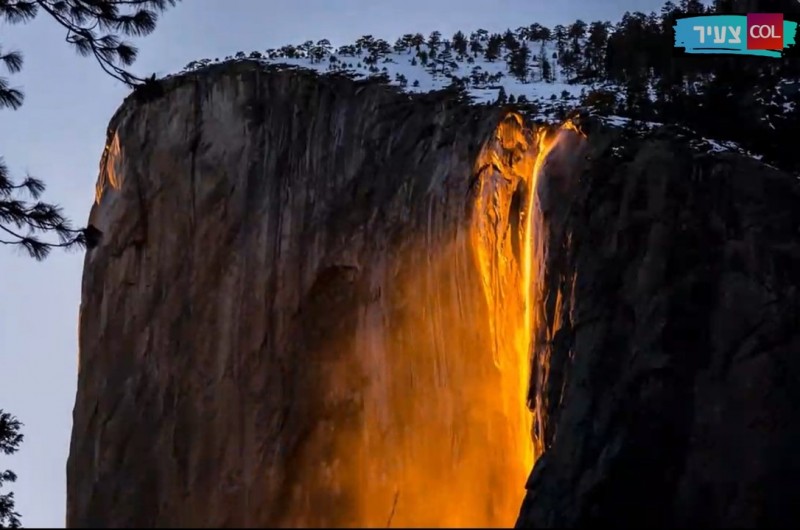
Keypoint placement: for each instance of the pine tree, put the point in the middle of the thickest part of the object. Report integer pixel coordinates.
(501, 96)
(10, 440)
(637, 101)
(24, 219)
(91, 26)
(518, 62)
(460, 43)
(692, 6)
(434, 39)
(493, 47)
(365, 42)
(475, 46)
(510, 40)
(595, 49)
(445, 60)
(560, 36)
(573, 56)
(537, 32)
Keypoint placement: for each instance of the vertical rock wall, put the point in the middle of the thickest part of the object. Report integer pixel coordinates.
(297, 312)
(674, 362)
(315, 303)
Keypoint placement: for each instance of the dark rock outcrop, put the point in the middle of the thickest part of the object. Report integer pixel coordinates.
(674, 367)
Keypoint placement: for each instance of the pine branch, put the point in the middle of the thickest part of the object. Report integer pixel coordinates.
(7, 476)
(16, 11)
(12, 60)
(10, 437)
(24, 223)
(8, 517)
(38, 249)
(10, 440)
(82, 17)
(10, 97)
(93, 29)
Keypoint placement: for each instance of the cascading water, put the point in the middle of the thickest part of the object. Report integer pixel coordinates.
(513, 283)
(442, 434)
(533, 283)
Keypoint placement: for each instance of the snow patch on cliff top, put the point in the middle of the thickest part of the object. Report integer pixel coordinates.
(522, 68)
(535, 76)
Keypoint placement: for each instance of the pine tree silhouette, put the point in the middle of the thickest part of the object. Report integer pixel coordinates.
(10, 440)
(502, 99)
(93, 29)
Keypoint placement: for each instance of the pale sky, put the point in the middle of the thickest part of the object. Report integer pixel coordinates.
(58, 136)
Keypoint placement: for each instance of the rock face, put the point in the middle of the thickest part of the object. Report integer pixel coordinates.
(296, 312)
(324, 303)
(668, 391)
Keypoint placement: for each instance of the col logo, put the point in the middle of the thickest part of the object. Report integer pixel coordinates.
(761, 34)
(765, 31)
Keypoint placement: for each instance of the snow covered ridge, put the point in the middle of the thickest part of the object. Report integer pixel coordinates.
(696, 142)
(519, 66)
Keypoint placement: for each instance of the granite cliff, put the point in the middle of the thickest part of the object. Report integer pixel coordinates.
(319, 301)
(675, 361)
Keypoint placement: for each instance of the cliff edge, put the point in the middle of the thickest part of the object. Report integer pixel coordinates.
(324, 302)
(285, 323)
(673, 361)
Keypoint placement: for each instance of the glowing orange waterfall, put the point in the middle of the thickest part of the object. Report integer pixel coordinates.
(441, 435)
(357, 350)
(512, 283)
(546, 140)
